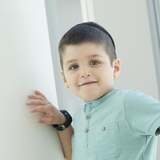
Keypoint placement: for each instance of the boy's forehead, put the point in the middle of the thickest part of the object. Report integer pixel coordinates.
(76, 59)
(73, 53)
(75, 48)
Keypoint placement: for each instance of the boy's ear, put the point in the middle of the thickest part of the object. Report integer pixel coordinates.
(117, 68)
(64, 80)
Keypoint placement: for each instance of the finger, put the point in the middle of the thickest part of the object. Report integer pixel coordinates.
(37, 109)
(39, 93)
(36, 97)
(45, 120)
(36, 102)
(44, 109)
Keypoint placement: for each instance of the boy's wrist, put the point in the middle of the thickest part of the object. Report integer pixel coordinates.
(67, 122)
(62, 119)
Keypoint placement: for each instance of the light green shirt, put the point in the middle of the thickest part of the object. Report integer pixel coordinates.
(122, 125)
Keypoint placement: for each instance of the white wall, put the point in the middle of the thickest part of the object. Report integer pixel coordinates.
(25, 65)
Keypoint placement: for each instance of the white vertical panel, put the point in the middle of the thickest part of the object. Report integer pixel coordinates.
(25, 65)
(87, 10)
(154, 19)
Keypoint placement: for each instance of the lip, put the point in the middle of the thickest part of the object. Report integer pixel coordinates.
(88, 83)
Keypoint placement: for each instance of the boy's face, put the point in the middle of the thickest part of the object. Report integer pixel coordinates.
(87, 70)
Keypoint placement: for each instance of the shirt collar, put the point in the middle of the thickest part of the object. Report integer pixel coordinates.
(97, 102)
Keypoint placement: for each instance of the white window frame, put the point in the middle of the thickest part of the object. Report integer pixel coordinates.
(154, 19)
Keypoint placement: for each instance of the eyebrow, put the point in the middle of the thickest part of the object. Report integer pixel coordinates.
(71, 61)
(95, 55)
(75, 60)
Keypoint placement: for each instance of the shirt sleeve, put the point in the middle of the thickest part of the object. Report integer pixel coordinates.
(142, 113)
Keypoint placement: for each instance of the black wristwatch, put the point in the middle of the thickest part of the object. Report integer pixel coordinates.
(66, 124)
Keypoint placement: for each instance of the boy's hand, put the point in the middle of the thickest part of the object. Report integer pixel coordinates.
(52, 114)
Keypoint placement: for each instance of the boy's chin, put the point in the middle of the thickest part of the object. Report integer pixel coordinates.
(91, 97)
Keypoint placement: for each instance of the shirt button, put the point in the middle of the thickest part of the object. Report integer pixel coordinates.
(87, 117)
(103, 128)
(86, 130)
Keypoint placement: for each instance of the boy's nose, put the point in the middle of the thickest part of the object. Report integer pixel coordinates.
(85, 73)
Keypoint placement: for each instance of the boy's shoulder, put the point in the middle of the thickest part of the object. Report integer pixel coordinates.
(132, 93)
(134, 97)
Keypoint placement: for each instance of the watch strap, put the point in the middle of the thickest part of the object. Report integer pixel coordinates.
(66, 124)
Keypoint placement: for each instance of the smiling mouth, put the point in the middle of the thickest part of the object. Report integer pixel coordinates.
(88, 83)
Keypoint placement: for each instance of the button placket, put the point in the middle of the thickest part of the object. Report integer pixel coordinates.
(87, 121)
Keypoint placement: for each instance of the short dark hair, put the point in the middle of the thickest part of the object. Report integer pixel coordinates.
(88, 32)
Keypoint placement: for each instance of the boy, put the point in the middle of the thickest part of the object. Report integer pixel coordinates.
(113, 124)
